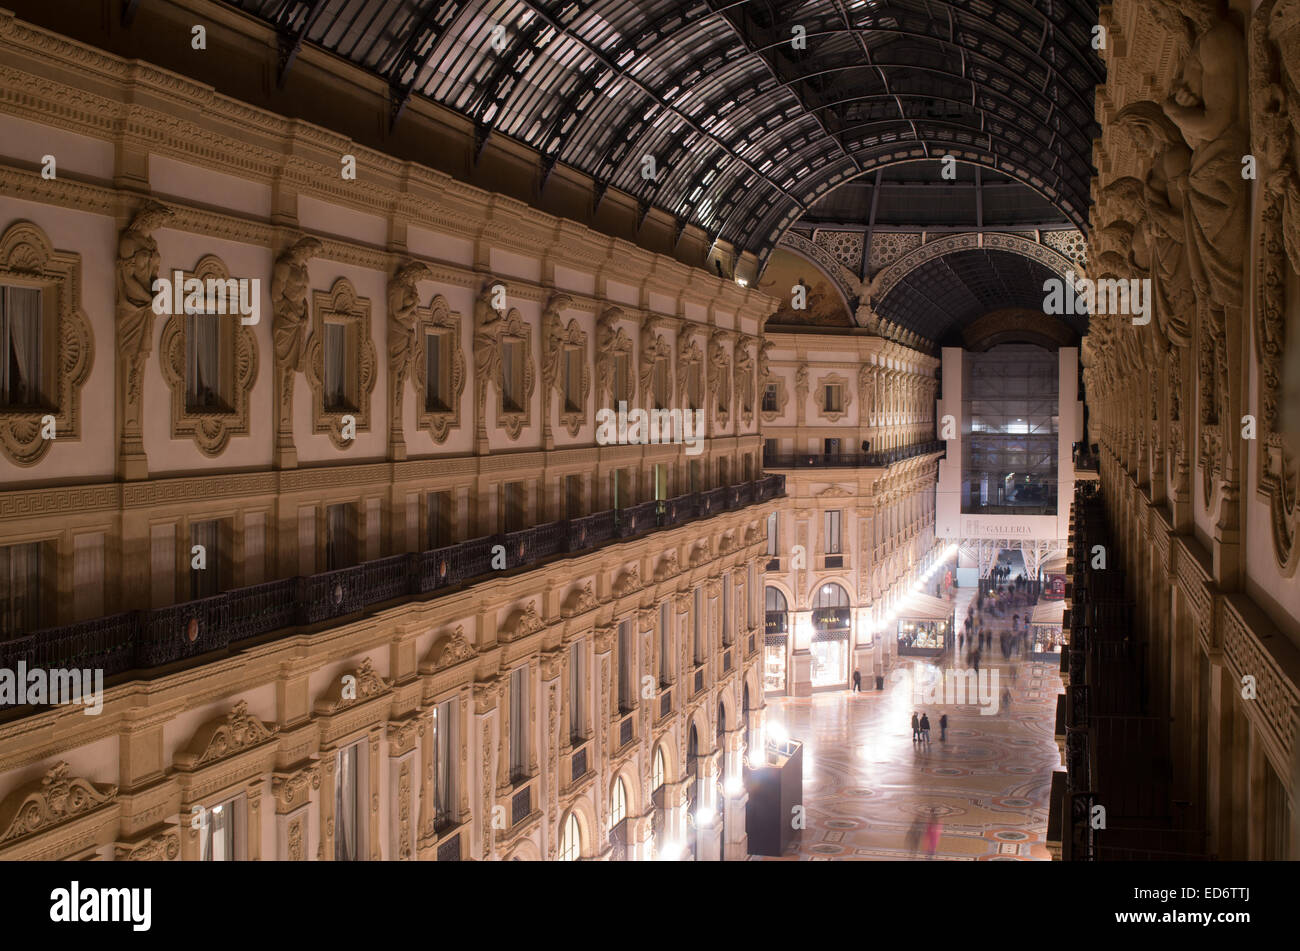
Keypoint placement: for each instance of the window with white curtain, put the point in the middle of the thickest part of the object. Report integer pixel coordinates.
(618, 802)
(340, 536)
(20, 588)
(347, 805)
(626, 664)
(726, 607)
(20, 346)
(202, 363)
(444, 759)
(573, 380)
(699, 626)
(771, 535)
(658, 771)
(437, 372)
(519, 723)
(336, 397)
(576, 679)
(223, 832)
(512, 375)
(206, 581)
(833, 533)
(571, 840)
(665, 643)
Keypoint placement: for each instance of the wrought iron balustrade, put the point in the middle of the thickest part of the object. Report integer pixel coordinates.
(144, 639)
(850, 460)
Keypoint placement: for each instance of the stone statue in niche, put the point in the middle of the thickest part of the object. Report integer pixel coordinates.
(290, 309)
(138, 262)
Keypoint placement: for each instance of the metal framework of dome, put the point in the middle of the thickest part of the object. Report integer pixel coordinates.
(747, 130)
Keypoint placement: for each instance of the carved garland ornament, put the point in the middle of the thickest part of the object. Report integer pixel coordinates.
(236, 365)
(27, 258)
(50, 801)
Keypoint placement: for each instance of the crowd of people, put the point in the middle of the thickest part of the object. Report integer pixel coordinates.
(1002, 599)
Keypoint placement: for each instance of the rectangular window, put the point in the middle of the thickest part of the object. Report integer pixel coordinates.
(512, 507)
(437, 520)
(665, 643)
(772, 535)
(833, 404)
(626, 665)
(347, 805)
(694, 395)
(21, 573)
(770, 448)
(726, 607)
(620, 488)
(699, 627)
(512, 375)
(437, 372)
(661, 384)
(833, 533)
(519, 723)
(696, 485)
(576, 679)
(338, 396)
(831, 447)
(340, 536)
(750, 592)
(661, 482)
(20, 346)
(202, 363)
(770, 404)
(207, 580)
(622, 387)
(222, 831)
(573, 496)
(444, 762)
(573, 380)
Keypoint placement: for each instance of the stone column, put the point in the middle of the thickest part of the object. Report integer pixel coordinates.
(292, 791)
(403, 784)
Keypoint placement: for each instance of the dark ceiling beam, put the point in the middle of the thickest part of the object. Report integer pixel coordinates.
(410, 62)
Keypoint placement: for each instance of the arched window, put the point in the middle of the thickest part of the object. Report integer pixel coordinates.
(618, 803)
(571, 840)
(657, 772)
(722, 724)
(774, 606)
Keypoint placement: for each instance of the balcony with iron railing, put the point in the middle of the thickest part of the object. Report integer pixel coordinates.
(851, 460)
(146, 639)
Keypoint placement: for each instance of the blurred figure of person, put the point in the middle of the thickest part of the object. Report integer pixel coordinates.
(914, 836)
(925, 728)
(916, 727)
(857, 680)
(943, 728)
(933, 829)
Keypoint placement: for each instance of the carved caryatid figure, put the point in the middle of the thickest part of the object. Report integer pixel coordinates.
(1208, 105)
(290, 289)
(489, 325)
(138, 262)
(403, 302)
(553, 336)
(1164, 204)
(765, 362)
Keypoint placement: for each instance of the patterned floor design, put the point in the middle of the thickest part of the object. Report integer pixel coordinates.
(866, 784)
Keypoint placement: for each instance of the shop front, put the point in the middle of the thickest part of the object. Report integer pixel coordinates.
(925, 627)
(1047, 631)
(776, 641)
(831, 629)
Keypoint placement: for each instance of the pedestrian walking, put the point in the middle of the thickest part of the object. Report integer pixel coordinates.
(916, 727)
(933, 830)
(857, 680)
(925, 728)
(943, 728)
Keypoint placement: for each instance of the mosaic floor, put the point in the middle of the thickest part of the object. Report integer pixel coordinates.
(869, 791)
